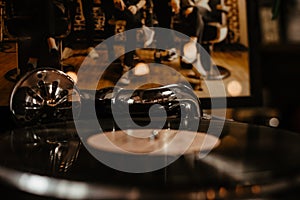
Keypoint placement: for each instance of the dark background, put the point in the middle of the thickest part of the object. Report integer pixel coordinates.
(280, 67)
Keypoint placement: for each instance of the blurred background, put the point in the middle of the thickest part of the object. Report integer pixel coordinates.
(279, 53)
(280, 65)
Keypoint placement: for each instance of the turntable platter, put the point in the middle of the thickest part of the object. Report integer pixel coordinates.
(246, 162)
(154, 142)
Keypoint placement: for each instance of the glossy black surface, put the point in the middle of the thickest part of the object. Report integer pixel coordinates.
(251, 161)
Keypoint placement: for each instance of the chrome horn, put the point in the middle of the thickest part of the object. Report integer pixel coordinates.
(45, 95)
(175, 99)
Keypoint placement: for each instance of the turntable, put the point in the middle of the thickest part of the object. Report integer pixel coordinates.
(249, 162)
(75, 159)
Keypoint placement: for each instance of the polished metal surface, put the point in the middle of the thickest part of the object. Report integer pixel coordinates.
(175, 99)
(44, 95)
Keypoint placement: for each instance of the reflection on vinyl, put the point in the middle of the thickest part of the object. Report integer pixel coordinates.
(153, 142)
(50, 161)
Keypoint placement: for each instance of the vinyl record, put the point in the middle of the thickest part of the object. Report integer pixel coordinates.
(152, 141)
(249, 161)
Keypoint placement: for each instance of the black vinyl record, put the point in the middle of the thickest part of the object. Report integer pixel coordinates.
(51, 161)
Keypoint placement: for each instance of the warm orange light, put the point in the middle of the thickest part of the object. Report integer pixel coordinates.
(210, 194)
(190, 50)
(234, 88)
(141, 69)
(73, 75)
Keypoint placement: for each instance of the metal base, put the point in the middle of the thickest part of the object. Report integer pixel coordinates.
(12, 75)
(217, 72)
